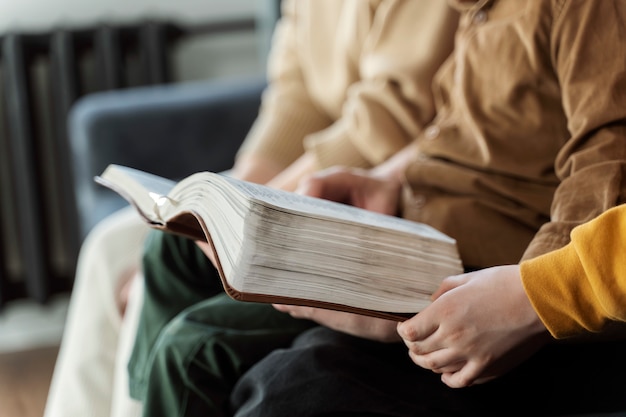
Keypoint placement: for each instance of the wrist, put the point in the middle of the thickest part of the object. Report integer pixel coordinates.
(393, 169)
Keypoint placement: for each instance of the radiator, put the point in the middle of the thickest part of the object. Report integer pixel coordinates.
(41, 75)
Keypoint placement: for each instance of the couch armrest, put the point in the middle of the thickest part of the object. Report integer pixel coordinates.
(171, 130)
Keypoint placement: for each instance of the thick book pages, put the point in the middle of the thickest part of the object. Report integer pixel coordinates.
(275, 246)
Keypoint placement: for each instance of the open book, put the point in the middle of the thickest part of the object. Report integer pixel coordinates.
(280, 247)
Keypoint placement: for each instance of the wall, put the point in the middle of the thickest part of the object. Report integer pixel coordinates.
(233, 55)
(25, 324)
(41, 15)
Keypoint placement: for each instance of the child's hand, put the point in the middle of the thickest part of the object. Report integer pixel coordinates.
(479, 326)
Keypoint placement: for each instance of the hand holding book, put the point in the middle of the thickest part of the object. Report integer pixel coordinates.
(355, 188)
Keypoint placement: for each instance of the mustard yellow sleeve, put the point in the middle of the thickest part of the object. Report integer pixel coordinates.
(392, 101)
(581, 286)
(287, 114)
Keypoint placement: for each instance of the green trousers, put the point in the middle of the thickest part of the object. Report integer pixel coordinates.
(194, 342)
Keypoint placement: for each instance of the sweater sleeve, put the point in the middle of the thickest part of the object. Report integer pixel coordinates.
(392, 101)
(581, 286)
(287, 114)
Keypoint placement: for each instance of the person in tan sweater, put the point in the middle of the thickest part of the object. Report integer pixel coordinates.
(345, 86)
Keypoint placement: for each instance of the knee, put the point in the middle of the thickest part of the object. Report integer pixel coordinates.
(176, 342)
(187, 351)
(162, 247)
(157, 242)
(180, 259)
(164, 250)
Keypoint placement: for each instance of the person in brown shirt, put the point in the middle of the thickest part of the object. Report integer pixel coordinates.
(529, 141)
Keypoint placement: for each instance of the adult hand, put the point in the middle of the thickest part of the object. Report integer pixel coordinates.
(479, 326)
(355, 324)
(362, 189)
(371, 190)
(355, 187)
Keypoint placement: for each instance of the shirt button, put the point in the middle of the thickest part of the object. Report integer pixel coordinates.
(431, 132)
(421, 157)
(480, 16)
(419, 201)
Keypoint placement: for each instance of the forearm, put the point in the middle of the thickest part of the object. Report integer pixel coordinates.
(289, 178)
(393, 169)
(255, 168)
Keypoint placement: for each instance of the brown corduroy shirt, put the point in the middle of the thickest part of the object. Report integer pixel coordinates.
(530, 134)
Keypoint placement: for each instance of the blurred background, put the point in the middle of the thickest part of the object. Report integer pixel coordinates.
(54, 53)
